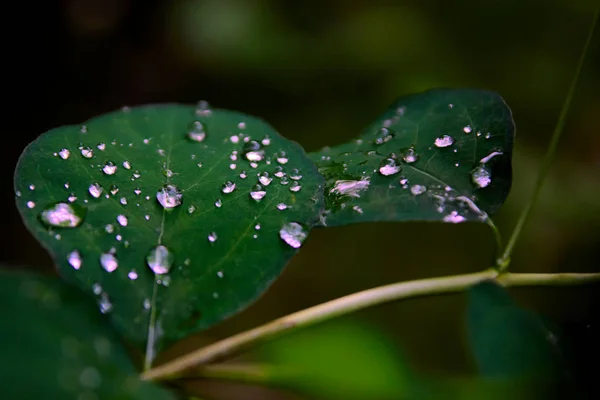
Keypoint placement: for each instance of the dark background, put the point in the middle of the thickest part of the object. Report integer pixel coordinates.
(319, 71)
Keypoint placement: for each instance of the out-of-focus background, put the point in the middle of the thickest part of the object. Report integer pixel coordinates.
(319, 71)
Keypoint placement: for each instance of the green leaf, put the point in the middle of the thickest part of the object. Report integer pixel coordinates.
(508, 341)
(339, 361)
(442, 155)
(217, 251)
(55, 345)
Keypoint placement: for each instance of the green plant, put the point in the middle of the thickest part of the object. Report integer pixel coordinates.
(175, 217)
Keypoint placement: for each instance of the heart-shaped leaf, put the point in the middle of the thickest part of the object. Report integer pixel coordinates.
(174, 217)
(55, 345)
(440, 155)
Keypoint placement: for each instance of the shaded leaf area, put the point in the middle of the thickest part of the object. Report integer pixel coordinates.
(174, 217)
(55, 345)
(442, 155)
(508, 341)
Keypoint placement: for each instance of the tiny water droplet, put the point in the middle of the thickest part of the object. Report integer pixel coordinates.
(114, 189)
(101, 146)
(122, 220)
(72, 198)
(133, 275)
(293, 234)
(266, 140)
(95, 190)
(220, 274)
(389, 166)
(109, 228)
(197, 132)
(169, 196)
(64, 154)
(228, 187)
(242, 125)
(123, 201)
(62, 215)
(218, 203)
(467, 129)
(264, 178)
(481, 176)
(384, 135)
(126, 165)
(96, 288)
(109, 262)
(160, 259)
(295, 187)
(212, 237)
(257, 192)
(191, 209)
(105, 304)
(30, 204)
(444, 141)
(74, 259)
(282, 206)
(417, 189)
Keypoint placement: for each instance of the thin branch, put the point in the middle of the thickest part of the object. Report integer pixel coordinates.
(348, 304)
(549, 157)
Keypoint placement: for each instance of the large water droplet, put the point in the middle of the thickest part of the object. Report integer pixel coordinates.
(264, 178)
(109, 262)
(160, 259)
(293, 234)
(169, 196)
(253, 152)
(282, 158)
(64, 154)
(74, 259)
(349, 187)
(257, 192)
(87, 152)
(109, 168)
(95, 190)
(410, 155)
(62, 215)
(481, 176)
(295, 174)
(228, 187)
(279, 172)
(389, 166)
(197, 132)
(443, 141)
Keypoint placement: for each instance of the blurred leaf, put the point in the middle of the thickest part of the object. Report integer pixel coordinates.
(508, 341)
(442, 155)
(55, 345)
(156, 211)
(339, 361)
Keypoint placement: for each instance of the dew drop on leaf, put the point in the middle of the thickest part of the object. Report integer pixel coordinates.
(109, 262)
(257, 193)
(64, 154)
(169, 196)
(467, 129)
(126, 165)
(133, 275)
(295, 175)
(454, 218)
(389, 166)
(295, 187)
(30, 204)
(160, 259)
(293, 234)
(109, 168)
(282, 157)
(443, 141)
(122, 220)
(218, 203)
(212, 237)
(481, 176)
(264, 178)
(74, 259)
(87, 152)
(282, 206)
(279, 172)
(62, 215)
(417, 189)
(410, 155)
(228, 187)
(95, 190)
(197, 132)
(252, 151)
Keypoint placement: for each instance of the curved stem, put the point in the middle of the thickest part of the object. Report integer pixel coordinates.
(347, 304)
(547, 162)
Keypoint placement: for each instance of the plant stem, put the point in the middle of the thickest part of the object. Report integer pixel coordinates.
(547, 162)
(245, 373)
(353, 302)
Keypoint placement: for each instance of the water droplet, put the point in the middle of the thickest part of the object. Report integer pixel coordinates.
(109, 262)
(109, 228)
(191, 209)
(133, 275)
(266, 140)
(284, 180)
(454, 218)
(234, 139)
(95, 190)
(169, 196)
(490, 156)
(295, 174)
(96, 288)
(109, 168)
(257, 227)
(197, 132)
(467, 129)
(212, 237)
(279, 172)
(389, 166)
(122, 220)
(74, 259)
(488, 135)
(123, 201)
(220, 274)
(350, 187)
(357, 209)
(87, 152)
(64, 154)
(481, 176)
(295, 187)
(137, 191)
(160, 259)
(384, 135)
(282, 206)
(264, 178)
(101, 146)
(126, 165)
(281, 158)
(450, 106)
(410, 155)
(293, 234)
(417, 189)
(218, 203)
(228, 187)
(62, 215)
(168, 173)
(136, 175)
(105, 304)
(253, 152)
(257, 192)
(242, 125)
(30, 204)
(443, 141)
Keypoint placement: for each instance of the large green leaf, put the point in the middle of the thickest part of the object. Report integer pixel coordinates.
(507, 340)
(440, 155)
(55, 345)
(104, 182)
